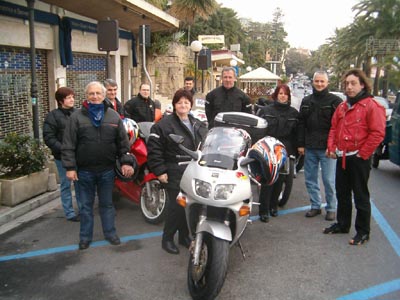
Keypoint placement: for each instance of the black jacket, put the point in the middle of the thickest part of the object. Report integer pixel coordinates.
(120, 108)
(282, 124)
(140, 109)
(316, 111)
(95, 149)
(53, 129)
(221, 99)
(162, 151)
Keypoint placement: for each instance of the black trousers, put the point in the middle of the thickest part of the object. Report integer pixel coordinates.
(269, 195)
(353, 180)
(175, 219)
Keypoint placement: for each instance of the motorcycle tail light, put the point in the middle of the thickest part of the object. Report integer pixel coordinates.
(223, 191)
(202, 188)
(181, 200)
(244, 210)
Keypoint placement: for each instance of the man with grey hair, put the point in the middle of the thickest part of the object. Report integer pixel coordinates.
(316, 111)
(94, 137)
(111, 96)
(226, 97)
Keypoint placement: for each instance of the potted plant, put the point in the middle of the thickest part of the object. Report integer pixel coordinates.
(22, 169)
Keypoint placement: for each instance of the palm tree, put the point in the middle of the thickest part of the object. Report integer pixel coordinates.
(188, 10)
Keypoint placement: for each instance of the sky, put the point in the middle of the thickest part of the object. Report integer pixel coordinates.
(308, 23)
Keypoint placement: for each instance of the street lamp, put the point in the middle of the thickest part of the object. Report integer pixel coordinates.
(233, 64)
(195, 46)
(248, 69)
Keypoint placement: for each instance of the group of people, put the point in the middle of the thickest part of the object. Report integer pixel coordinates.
(337, 137)
(85, 143)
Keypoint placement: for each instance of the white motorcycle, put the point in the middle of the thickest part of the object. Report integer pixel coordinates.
(217, 196)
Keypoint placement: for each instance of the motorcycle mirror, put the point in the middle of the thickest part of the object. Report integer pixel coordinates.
(176, 138)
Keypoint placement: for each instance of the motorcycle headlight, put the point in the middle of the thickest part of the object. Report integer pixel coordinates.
(202, 188)
(223, 191)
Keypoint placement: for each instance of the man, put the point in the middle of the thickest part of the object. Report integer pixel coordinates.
(53, 132)
(93, 139)
(316, 111)
(111, 96)
(226, 97)
(189, 85)
(141, 108)
(358, 127)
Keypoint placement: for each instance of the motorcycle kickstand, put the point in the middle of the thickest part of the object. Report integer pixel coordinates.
(241, 250)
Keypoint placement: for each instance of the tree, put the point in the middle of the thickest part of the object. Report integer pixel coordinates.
(188, 10)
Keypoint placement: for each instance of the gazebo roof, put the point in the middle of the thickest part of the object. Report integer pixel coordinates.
(259, 75)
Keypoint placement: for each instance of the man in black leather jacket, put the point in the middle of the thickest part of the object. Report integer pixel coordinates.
(226, 97)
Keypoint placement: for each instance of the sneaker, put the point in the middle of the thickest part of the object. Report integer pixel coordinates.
(313, 212)
(335, 228)
(359, 239)
(330, 216)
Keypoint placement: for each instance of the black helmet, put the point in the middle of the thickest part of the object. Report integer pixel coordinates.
(118, 170)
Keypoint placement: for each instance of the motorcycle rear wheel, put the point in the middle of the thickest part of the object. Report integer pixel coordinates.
(206, 280)
(154, 208)
(287, 185)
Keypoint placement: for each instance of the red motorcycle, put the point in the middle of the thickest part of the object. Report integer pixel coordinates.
(144, 188)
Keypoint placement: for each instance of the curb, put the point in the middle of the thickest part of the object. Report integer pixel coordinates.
(28, 210)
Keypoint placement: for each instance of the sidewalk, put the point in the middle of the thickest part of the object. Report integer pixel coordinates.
(12, 217)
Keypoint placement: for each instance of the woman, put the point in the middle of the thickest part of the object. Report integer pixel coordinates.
(53, 132)
(163, 159)
(282, 123)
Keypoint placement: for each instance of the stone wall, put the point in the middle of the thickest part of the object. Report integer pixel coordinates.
(168, 71)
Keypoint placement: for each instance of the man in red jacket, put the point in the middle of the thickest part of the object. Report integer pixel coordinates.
(358, 127)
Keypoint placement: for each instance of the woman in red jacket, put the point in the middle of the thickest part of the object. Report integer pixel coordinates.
(358, 127)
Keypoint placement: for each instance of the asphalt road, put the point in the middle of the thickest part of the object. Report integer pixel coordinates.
(288, 258)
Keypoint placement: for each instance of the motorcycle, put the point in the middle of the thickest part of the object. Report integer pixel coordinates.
(144, 188)
(216, 193)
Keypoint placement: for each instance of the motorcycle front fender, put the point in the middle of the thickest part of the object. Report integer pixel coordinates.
(217, 229)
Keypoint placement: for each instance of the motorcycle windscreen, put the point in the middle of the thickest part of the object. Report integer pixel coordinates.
(222, 148)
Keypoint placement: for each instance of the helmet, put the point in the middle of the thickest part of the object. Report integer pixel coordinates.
(169, 110)
(132, 129)
(118, 172)
(270, 156)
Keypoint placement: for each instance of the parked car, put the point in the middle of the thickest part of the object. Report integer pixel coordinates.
(390, 147)
(386, 104)
(339, 94)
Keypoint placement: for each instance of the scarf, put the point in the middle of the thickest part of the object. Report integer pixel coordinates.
(96, 113)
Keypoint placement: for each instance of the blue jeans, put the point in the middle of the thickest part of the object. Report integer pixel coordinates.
(313, 159)
(102, 183)
(66, 195)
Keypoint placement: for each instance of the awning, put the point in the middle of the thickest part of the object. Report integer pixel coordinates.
(129, 13)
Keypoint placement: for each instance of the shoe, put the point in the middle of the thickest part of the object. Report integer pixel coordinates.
(84, 245)
(170, 247)
(264, 218)
(114, 240)
(273, 212)
(335, 228)
(359, 239)
(74, 219)
(330, 216)
(313, 212)
(186, 241)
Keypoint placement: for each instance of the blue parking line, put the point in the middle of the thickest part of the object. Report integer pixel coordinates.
(374, 291)
(369, 293)
(69, 248)
(387, 287)
(392, 237)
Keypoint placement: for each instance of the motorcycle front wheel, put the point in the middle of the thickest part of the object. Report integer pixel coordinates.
(154, 207)
(206, 280)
